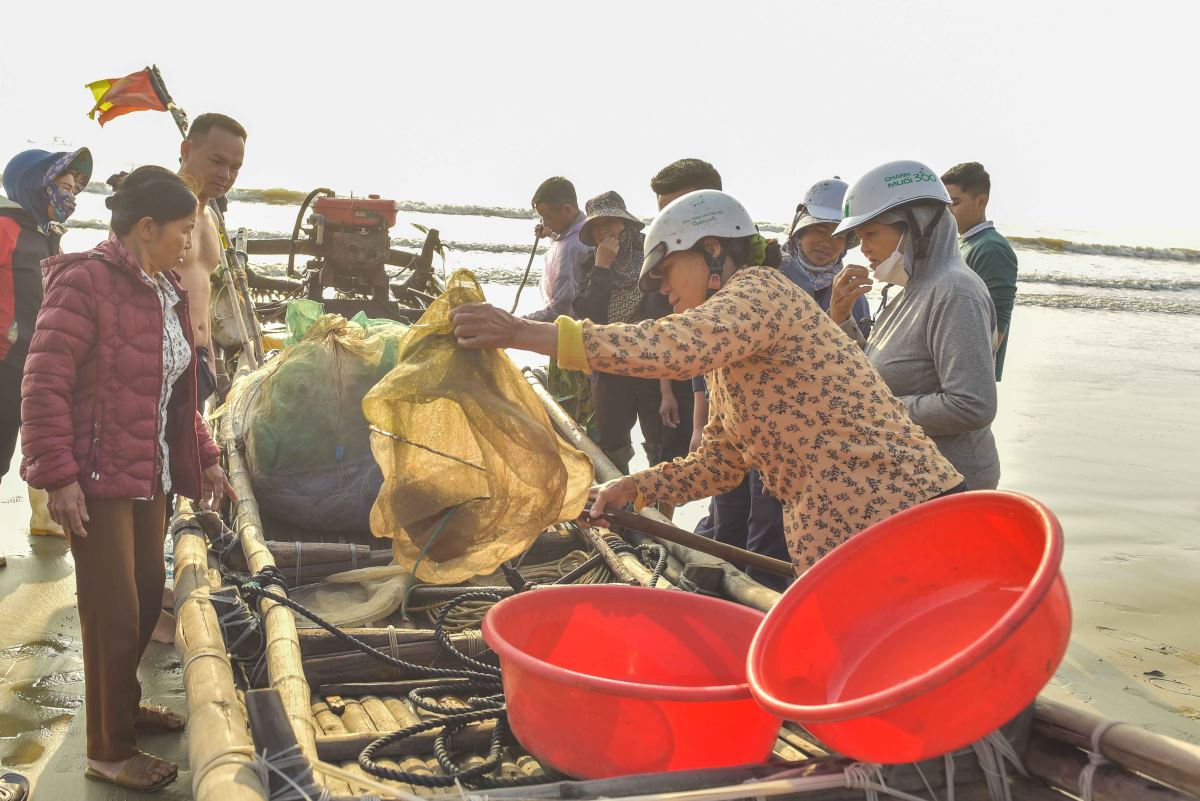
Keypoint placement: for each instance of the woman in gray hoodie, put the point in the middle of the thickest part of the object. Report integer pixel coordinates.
(933, 342)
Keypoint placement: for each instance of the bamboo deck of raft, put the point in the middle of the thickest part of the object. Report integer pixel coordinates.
(335, 703)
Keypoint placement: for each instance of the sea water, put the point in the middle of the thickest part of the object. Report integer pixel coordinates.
(1099, 417)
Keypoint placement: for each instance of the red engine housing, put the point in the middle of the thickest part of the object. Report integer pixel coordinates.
(357, 212)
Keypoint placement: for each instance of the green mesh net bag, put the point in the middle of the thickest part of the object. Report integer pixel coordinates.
(308, 448)
(473, 469)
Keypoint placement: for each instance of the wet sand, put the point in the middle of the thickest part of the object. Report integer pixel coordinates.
(41, 668)
(1100, 418)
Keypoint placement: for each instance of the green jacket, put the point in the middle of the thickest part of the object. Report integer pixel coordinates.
(988, 253)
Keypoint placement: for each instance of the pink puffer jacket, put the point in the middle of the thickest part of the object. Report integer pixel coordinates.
(89, 398)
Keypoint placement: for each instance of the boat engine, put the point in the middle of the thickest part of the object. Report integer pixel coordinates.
(348, 242)
(351, 240)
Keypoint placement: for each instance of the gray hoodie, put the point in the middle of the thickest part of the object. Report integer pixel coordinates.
(933, 346)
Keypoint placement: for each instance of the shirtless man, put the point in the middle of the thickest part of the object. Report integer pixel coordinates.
(211, 156)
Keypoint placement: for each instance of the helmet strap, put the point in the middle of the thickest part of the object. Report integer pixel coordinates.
(923, 242)
(716, 266)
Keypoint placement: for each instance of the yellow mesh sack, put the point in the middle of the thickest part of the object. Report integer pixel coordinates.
(473, 469)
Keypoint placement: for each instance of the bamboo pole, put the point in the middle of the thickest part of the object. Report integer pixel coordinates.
(734, 584)
(336, 747)
(383, 689)
(285, 667)
(1061, 765)
(218, 733)
(318, 642)
(1162, 758)
(679, 536)
(330, 668)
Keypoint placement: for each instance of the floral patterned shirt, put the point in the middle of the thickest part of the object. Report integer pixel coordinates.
(791, 396)
(177, 357)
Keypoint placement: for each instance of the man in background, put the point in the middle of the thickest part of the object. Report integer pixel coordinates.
(211, 157)
(684, 406)
(557, 207)
(983, 248)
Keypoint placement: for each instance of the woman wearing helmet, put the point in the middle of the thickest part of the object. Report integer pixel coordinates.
(790, 394)
(933, 343)
(812, 255)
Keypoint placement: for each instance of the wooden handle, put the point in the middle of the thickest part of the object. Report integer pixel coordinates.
(665, 531)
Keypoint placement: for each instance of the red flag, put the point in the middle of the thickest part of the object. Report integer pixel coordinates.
(117, 96)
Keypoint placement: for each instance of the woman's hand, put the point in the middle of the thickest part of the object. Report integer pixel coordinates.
(214, 486)
(68, 508)
(482, 326)
(694, 443)
(606, 251)
(668, 409)
(612, 495)
(850, 284)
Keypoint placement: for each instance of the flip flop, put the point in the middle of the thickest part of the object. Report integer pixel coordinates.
(138, 773)
(13, 787)
(152, 717)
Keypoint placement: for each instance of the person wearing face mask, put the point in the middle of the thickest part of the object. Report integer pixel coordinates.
(109, 428)
(933, 342)
(812, 255)
(790, 395)
(610, 294)
(41, 189)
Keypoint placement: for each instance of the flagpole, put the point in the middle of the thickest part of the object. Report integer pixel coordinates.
(251, 347)
(160, 88)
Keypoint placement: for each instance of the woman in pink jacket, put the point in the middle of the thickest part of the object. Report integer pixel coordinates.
(109, 427)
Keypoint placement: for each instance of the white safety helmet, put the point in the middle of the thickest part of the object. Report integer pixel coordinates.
(822, 204)
(886, 187)
(684, 222)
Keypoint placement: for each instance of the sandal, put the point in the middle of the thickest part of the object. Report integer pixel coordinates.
(142, 772)
(152, 717)
(13, 787)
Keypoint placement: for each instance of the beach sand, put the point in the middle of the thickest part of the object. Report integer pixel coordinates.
(1099, 418)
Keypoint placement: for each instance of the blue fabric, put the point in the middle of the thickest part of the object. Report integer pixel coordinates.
(795, 272)
(29, 173)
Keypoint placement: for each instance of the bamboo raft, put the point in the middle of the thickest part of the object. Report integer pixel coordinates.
(288, 717)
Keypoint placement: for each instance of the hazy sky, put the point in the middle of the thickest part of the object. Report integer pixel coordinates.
(1084, 113)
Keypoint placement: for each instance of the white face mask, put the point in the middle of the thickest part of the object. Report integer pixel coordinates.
(892, 270)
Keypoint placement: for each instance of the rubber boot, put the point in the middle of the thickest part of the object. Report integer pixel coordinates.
(41, 524)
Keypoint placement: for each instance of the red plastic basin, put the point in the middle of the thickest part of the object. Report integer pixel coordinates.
(923, 633)
(611, 680)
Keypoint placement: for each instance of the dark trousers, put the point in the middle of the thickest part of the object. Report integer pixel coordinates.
(749, 517)
(206, 380)
(764, 533)
(119, 576)
(619, 401)
(676, 441)
(10, 413)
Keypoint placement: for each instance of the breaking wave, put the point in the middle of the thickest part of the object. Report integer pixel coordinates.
(1052, 245)
(278, 196)
(1117, 303)
(1101, 282)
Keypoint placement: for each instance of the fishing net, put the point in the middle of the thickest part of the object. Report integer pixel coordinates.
(473, 469)
(308, 449)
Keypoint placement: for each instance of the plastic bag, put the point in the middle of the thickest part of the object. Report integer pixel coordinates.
(473, 469)
(356, 597)
(308, 450)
